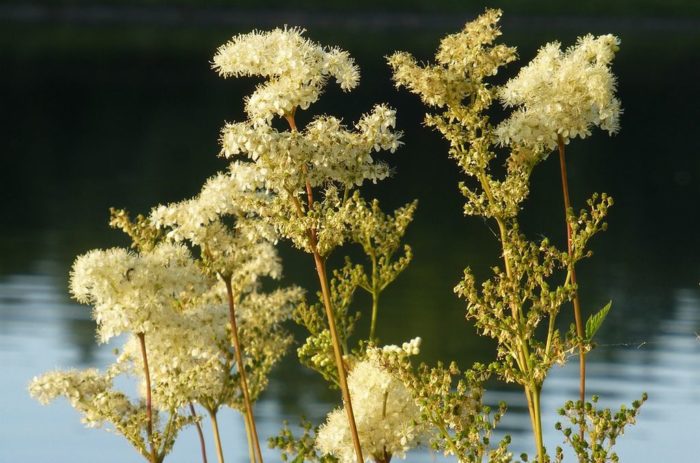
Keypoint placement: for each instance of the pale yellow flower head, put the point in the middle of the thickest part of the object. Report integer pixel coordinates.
(463, 61)
(296, 68)
(133, 292)
(562, 93)
(385, 413)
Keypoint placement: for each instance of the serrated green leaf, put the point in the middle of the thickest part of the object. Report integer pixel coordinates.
(596, 320)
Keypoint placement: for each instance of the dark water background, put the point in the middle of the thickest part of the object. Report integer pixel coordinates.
(127, 114)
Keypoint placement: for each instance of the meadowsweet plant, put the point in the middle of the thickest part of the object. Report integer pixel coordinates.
(312, 175)
(559, 96)
(186, 344)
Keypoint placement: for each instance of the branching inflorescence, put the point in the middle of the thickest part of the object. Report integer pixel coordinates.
(557, 97)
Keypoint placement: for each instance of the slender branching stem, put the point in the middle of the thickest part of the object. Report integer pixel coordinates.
(217, 436)
(241, 370)
(536, 390)
(446, 436)
(202, 445)
(550, 334)
(572, 272)
(326, 295)
(342, 375)
(375, 298)
(520, 347)
(149, 402)
(531, 411)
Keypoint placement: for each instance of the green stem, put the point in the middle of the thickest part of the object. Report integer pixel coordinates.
(217, 437)
(241, 370)
(375, 299)
(531, 412)
(521, 347)
(550, 334)
(537, 418)
(572, 271)
(448, 439)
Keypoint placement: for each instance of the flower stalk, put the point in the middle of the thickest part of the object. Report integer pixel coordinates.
(149, 404)
(572, 272)
(217, 437)
(326, 296)
(200, 434)
(241, 371)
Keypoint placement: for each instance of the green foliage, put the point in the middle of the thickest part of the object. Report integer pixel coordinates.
(317, 351)
(595, 321)
(299, 449)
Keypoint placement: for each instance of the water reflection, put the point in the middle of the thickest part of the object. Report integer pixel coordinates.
(41, 330)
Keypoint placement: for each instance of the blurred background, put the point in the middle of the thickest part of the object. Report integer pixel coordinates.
(114, 104)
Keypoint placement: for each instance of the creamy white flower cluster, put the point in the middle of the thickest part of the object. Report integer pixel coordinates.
(245, 251)
(463, 60)
(90, 392)
(221, 195)
(385, 413)
(190, 357)
(297, 70)
(324, 151)
(134, 292)
(562, 93)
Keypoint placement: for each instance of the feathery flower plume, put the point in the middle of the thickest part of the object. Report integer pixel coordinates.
(386, 415)
(562, 93)
(297, 70)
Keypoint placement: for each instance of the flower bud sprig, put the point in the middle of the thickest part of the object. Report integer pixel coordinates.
(452, 412)
(380, 236)
(317, 351)
(302, 448)
(144, 236)
(601, 429)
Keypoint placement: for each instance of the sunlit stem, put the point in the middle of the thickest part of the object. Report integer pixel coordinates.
(572, 272)
(537, 418)
(520, 346)
(249, 438)
(202, 445)
(325, 292)
(217, 436)
(241, 370)
(149, 404)
(375, 299)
